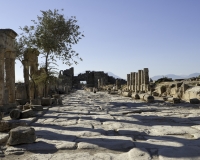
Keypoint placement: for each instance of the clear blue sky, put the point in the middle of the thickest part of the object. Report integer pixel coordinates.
(122, 36)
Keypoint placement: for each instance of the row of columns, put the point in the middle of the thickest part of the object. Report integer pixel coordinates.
(138, 81)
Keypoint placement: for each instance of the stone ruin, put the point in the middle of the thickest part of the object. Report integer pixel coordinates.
(7, 68)
(187, 90)
(96, 79)
(65, 80)
(138, 81)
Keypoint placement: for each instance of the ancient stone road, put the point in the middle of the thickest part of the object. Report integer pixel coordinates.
(96, 126)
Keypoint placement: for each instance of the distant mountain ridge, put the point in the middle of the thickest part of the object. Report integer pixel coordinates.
(173, 76)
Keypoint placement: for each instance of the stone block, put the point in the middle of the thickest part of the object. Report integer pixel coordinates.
(37, 107)
(194, 101)
(46, 102)
(27, 113)
(15, 114)
(7, 125)
(21, 135)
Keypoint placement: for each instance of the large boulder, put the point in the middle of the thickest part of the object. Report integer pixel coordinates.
(21, 135)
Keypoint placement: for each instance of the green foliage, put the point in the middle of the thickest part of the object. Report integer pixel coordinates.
(54, 36)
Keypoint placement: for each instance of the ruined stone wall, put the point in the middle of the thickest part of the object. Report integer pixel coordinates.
(67, 77)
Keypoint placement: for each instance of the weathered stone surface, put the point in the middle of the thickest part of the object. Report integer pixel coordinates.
(7, 125)
(27, 113)
(139, 154)
(66, 145)
(105, 125)
(12, 150)
(15, 114)
(21, 135)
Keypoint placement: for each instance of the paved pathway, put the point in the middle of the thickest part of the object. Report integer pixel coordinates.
(100, 126)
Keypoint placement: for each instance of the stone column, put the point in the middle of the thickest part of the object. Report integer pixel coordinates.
(136, 82)
(130, 87)
(139, 79)
(102, 82)
(2, 53)
(8, 78)
(99, 83)
(10, 75)
(12, 78)
(146, 78)
(133, 81)
(128, 81)
(142, 81)
(118, 84)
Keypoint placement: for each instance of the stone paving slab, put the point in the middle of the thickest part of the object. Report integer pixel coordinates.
(102, 126)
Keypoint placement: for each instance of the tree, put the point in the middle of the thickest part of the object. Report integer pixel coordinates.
(54, 36)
